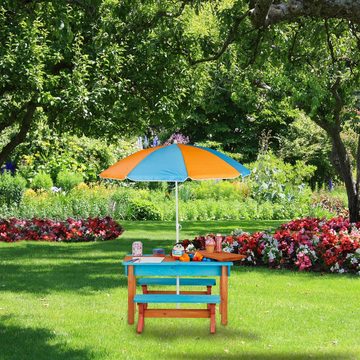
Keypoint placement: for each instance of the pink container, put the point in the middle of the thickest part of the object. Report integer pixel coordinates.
(218, 241)
(137, 248)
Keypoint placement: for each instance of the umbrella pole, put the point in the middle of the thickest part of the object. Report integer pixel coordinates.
(177, 212)
(177, 234)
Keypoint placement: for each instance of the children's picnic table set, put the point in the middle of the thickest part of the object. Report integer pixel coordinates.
(176, 163)
(154, 272)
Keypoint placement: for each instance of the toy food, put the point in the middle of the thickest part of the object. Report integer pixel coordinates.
(185, 257)
(210, 244)
(177, 251)
(190, 248)
(197, 257)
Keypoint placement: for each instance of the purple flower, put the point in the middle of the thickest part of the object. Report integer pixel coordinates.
(177, 138)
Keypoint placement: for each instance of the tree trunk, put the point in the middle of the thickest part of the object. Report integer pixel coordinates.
(341, 162)
(21, 135)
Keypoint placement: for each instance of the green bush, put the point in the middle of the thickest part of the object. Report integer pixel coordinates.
(277, 182)
(42, 181)
(67, 180)
(142, 209)
(120, 204)
(216, 190)
(52, 152)
(11, 189)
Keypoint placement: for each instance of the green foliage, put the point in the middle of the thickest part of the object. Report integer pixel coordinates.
(216, 190)
(51, 152)
(42, 181)
(278, 182)
(306, 141)
(126, 203)
(67, 180)
(89, 82)
(11, 189)
(142, 209)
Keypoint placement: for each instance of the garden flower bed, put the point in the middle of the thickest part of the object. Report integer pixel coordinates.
(70, 230)
(304, 244)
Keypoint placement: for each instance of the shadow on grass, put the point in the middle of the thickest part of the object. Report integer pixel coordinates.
(44, 268)
(44, 279)
(197, 332)
(269, 355)
(18, 343)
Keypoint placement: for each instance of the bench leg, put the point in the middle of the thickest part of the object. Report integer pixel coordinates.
(212, 319)
(141, 319)
(145, 291)
(208, 292)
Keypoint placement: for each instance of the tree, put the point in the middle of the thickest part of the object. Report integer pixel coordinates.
(316, 45)
(97, 67)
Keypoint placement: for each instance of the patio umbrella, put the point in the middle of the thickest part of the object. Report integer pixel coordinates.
(176, 163)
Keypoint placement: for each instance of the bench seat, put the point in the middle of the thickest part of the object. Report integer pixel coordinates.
(172, 281)
(144, 299)
(176, 299)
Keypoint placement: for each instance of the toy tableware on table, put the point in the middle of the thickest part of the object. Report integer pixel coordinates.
(197, 257)
(158, 252)
(177, 251)
(218, 240)
(137, 248)
(209, 244)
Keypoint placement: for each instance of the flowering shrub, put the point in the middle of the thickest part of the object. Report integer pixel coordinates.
(177, 138)
(304, 244)
(91, 229)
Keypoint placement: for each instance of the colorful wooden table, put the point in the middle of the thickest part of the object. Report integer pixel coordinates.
(170, 267)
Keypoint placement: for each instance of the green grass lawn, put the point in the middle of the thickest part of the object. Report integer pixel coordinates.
(69, 301)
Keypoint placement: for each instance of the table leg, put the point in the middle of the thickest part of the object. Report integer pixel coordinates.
(131, 294)
(224, 295)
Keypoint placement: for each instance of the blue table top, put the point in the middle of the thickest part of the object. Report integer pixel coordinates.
(176, 267)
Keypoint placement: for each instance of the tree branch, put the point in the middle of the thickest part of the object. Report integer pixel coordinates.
(256, 47)
(260, 12)
(339, 103)
(21, 135)
(232, 34)
(354, 32)
(157, 17)
(329, 43)
(11, 119)
(294, 9)
(292, 48)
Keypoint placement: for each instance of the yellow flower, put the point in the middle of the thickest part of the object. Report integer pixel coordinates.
(29, 193)
(82, 186)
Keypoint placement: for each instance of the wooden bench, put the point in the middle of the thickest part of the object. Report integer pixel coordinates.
(145, 282)
(144, 299)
